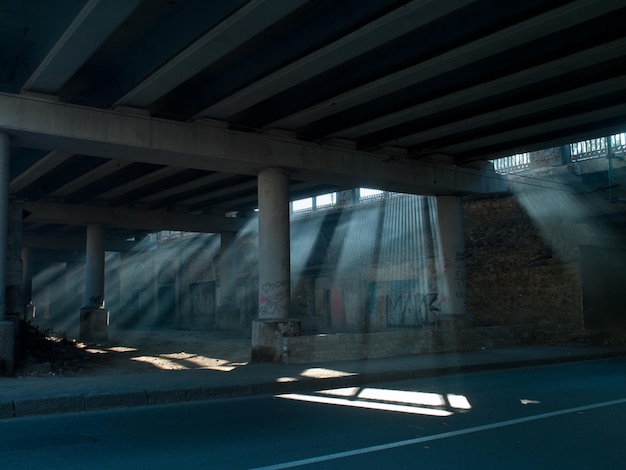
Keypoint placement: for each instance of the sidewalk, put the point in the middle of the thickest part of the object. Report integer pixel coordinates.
(111, 389)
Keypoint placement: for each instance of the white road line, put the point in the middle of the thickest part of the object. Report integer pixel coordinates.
(435, 437)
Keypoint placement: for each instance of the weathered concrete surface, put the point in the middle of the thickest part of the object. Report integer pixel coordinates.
(454, 321)
(128, 137)
(94, 324)
(428, 340)
(228, 318)
(267, 338)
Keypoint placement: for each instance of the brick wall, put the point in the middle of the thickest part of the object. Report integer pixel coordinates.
(513, 275)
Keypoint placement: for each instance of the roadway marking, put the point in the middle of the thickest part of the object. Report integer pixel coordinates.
(435, 437)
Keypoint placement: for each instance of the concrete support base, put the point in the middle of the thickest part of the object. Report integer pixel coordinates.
(7, 348)
(267, 338)
(454, 321)
(29, 312)
(227, 318)
(94, 324)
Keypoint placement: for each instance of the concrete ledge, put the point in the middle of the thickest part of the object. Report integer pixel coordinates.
(94, 324)
(99, 401)
(50, 405)
(355, 346)
(267, 338)
(162, 397)
(454, 322)
(7, 409)
(235, 391)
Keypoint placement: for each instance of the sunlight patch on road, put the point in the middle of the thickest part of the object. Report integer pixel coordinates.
(402, 396)
(341, 392)
(460, 402)
(366, 404)
(403, 401)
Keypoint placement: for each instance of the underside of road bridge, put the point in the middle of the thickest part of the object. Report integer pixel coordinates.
(121, 118)
(139, 113)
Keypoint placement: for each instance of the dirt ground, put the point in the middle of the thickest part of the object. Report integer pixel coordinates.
(44, 353)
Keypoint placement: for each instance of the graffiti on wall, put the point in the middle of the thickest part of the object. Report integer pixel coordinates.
(403, 303)
(411, 309)
(273, 299)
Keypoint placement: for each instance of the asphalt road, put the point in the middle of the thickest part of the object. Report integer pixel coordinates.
(561, 416)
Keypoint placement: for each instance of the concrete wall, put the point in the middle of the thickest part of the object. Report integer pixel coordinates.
(355, 346)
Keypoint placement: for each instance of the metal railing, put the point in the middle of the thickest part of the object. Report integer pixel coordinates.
(597, 148)
(513, 163)
(578, 151)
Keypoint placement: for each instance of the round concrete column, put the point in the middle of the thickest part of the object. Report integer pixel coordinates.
(7, 327)
(27, 283)
(94, 318)
(274, 260)
(94, 266)
(452, 238)
(14, 266)
(274, 268)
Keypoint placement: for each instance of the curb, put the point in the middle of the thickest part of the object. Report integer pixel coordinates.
(97, 401)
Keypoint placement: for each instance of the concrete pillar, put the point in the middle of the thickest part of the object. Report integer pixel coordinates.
(27, 283)
(452, 239)
(14, 269)
(94, 317)
(73, 285)
(274, 268)
(227, 316)
(7, 326)
(274, 256)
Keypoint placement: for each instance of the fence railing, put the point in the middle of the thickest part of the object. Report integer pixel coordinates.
(513, 163)
(578, 151)
(596, 148)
